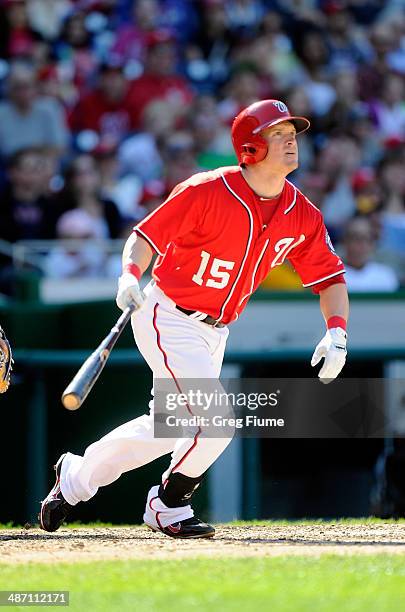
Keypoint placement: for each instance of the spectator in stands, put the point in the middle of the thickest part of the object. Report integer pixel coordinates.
(154, 193)
(361, 127)
(46, 16)
(109, 109)
(243, 88)
(244, 17)
(396, 58)
(77, 260)
(209, 53)
(315, 186)
(339, 117)
(160, 81)
(132, 37)
(346, 46)
(27, 120)
(24, 211)
(273, 54)
(366, 191)
(388, 110)
(181, 17)
(158, 121)
(315, 57)
(74, 51)
(124, 191)
(17, 38)
(368, 198)
(52, 83)
(49, 176)
(366, 12)
(372, 73)
(211, 135)
(179, 155)
(362, 273)
(301, 15)
(392, 182)
(341, 63)
(82, 191)
(337, 161)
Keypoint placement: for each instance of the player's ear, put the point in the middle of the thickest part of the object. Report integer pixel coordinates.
(249, 149)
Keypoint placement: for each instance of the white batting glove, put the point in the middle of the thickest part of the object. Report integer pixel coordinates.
(129, 293)
(333, 348)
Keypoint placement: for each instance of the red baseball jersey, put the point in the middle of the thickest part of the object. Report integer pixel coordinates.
(215, 249)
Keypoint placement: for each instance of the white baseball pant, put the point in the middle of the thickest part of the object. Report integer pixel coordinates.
(174, 346)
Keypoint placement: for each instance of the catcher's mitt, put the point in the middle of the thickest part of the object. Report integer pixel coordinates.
(6, 362)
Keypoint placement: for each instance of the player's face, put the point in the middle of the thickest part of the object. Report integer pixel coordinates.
(282, 155)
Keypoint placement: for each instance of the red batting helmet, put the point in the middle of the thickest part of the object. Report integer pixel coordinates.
(249, 146)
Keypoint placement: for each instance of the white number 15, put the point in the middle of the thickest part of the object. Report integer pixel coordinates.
(218, 277)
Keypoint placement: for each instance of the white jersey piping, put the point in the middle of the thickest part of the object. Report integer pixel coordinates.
(320, 280)
(287, 210)
(255, 270)
(247, 248)
(148, 240)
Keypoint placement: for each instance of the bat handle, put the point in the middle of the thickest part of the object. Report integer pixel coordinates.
(119, 326)
(126, 315)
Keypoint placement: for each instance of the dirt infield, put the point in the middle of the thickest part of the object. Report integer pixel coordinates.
(88, 544)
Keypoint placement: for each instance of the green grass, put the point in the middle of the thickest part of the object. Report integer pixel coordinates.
(369, 583)
(7, 525)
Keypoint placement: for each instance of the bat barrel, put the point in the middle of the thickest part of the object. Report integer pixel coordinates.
(71, 401)
(81, 385)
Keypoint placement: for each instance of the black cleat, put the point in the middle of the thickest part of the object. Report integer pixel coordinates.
(54, 508)
(189, 528)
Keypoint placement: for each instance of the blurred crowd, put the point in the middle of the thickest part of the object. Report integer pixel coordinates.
(105, 105)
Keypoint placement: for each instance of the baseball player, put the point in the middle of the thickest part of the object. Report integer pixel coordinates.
(217, 236)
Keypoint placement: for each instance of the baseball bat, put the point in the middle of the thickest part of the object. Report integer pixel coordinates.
(83, 382)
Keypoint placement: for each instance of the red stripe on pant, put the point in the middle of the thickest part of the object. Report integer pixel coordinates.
(176, 383)
(155, 511)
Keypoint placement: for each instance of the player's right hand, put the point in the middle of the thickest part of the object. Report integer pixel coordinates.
(129, 292)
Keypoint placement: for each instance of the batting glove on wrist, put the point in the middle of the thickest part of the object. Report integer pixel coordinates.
(333, 348)
(129, 293)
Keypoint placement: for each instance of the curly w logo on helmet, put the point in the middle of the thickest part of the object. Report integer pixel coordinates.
(280, 106)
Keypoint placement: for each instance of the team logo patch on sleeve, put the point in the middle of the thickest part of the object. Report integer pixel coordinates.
(329, 243)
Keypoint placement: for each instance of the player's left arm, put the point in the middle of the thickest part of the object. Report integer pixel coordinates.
(334, 304)
(334, 301)
(322, 270)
